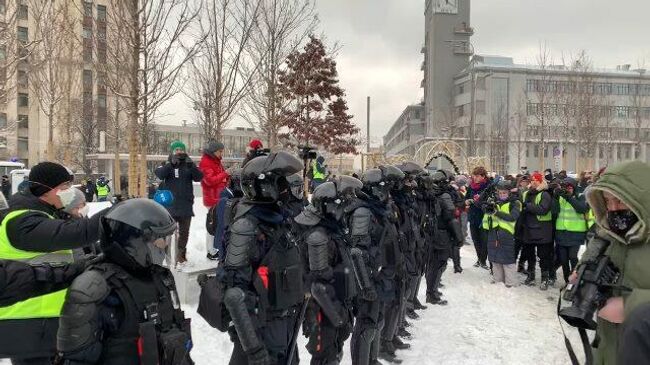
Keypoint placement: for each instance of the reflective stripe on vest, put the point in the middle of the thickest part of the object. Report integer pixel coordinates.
(499, 223)
(570, 220)
(542, 218)
(44, 306)
(102, 191)
(317, 174)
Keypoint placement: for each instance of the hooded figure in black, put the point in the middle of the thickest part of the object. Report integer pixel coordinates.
(373, 241)
(262, 273)
(333, 285)
(447, 234)
(126, 310)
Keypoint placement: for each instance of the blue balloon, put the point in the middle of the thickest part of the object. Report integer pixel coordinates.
(164, 198)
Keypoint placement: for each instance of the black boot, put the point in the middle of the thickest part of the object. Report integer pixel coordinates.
(411, 314)
(417, 305)
(520, 268)
(530, 280)
(435, 299)
(399, 344)
(403, 333)
(387, 352)
(458, 269)
(544, 284)
(477, 264)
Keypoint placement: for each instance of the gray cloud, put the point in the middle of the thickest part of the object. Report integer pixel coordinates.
(380, 43)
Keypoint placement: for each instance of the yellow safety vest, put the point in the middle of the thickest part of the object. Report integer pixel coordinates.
(102, 191)
(542, 218)
(499, 223)
(570, 220)
(591, 218)
(317, 175)
(44, 306)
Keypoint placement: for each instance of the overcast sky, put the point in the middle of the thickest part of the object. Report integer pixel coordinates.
(381, 39)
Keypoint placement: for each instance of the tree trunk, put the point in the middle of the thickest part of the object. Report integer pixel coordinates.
(142, 191)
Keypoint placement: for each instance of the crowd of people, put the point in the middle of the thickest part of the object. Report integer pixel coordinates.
(345, 262)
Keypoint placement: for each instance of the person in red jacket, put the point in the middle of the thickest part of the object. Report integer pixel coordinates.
(215, 179)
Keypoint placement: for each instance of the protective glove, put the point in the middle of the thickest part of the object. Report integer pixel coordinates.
(259, 357)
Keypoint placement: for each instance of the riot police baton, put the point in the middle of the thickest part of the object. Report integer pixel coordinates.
(296, 329)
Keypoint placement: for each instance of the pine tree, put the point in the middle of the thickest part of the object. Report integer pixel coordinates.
(317, 114)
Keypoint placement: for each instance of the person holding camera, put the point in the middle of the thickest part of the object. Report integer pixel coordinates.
(499, 222)
(571, 225)
(537, 229)
(621, 205)
(177, 175)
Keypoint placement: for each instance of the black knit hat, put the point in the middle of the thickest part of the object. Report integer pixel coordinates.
(212, 147)
(46, 176)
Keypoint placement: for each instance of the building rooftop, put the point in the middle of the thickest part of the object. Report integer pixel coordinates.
(507, 63)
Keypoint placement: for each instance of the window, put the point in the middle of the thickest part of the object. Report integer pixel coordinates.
(480, 107)
(23, 80)
(22, 12)
(23, 100)
(23, 145)
(536, 151)
(23, 121)
(23, 34)
(101, 13)
(88, 8)
(461, 111)
(3, 142)
(3, 7)
(87, 33)
(101, 33)
(3, 53)
(3, 120)
(88, 50)
(88, 79)
(101, 101)
(546, 151)
(461, 89)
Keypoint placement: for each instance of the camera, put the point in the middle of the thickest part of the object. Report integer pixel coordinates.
(594, 285)
(489, 206)
(261, 152)
(307, 153)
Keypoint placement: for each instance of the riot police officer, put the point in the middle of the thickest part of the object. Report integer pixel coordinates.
(394, 272)
(333, 285)
(371, 237)
(126, 310)
(262, 273)
(409, 219)
(448, 233)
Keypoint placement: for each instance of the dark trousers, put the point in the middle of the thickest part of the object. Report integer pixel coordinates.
(435, 269)
(367, 331)
(519, 253)
(568, 258)
(326, 342)
(276, 335)
(479, 236)
(183, 235)
(545, 254)
(32, 361)
(455, 257)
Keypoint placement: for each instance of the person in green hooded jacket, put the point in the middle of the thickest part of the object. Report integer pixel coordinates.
(620, 200)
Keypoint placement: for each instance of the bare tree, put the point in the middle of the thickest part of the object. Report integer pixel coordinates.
(221, 75)
(588, 101)
(544, 97)
(151, 40)
(519, 131)
(640, 112)
(282, 26)
(52, 73)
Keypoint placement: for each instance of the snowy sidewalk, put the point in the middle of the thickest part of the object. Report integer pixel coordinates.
(484, 323)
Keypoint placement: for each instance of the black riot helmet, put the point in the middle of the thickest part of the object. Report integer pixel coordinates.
(411, 172)
(331, 198)
(133, 234)
(264, 178)
(392, 175)
(234, 183)
(297, 186)
(442, 177)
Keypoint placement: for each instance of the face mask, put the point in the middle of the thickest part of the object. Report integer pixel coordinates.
(66, 196)
(621, 221)
(83, 212)
(503, 197)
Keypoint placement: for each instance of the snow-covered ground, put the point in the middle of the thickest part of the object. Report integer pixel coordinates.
(484, 323)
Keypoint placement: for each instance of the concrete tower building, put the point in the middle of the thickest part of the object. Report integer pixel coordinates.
(447, 50)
